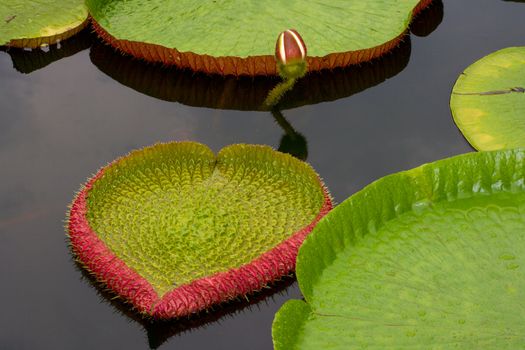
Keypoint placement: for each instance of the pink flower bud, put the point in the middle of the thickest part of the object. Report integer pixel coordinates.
(290, 47)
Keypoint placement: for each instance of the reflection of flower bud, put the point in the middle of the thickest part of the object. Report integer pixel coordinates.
(290, 48)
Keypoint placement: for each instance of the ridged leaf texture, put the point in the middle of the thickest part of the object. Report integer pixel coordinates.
(430, 258)
(177, 212)
(243, 28)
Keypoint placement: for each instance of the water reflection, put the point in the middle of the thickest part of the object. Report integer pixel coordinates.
(158, 332)
(28, 61)
(428, 20)
(244, 93)
(292, 142)
(200, 90)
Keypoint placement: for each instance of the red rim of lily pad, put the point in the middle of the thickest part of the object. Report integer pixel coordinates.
(186, 299)
(252, 65)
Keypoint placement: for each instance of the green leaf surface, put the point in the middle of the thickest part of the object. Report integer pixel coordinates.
(488, 101)
(243, 28)
(31, 19)
(430, 258)
(176, 212)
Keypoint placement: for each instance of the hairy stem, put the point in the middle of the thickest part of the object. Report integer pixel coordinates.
(275, 95)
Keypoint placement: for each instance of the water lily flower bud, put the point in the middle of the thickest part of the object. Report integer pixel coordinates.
(290, 47)
(290, 53)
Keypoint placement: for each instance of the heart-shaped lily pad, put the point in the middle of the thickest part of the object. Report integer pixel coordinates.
(238, 37)
(174, 229)
(30, 23)
(430, 258)
(488, 101)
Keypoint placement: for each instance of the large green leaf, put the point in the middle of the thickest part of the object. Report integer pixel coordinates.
(430, 258)
(337, 32)
(189, 229)
(30, 23)
(488, 101)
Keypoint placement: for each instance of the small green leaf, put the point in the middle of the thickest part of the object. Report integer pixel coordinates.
(30, 23)
(430, 258)
(488, 101)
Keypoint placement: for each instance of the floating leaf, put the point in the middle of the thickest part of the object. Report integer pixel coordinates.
(30, 23)
(238, 37)
(429, 19)
(174, 229)
(488, 101)
(432, 257)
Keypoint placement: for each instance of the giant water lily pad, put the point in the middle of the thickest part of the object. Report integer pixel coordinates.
(174, 228)
(238, 37)
(488, 101)
(30, 23)
(430, 258)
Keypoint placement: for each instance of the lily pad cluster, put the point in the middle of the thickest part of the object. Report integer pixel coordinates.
(174, 228)
(427, 258)
(244, 93)
(228, 38)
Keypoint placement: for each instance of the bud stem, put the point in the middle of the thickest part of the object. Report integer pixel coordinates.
(290, 54)
(275, 95)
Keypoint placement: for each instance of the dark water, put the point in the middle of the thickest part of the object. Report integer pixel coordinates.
(60, 120)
